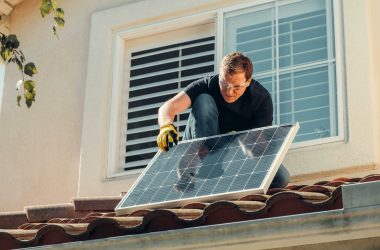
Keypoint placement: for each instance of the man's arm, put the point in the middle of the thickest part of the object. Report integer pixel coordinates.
(166, 113)
(173, 107)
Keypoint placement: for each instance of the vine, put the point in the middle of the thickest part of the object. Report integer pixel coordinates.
(11, 53)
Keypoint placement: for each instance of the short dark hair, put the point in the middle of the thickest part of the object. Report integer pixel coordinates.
(236, 62)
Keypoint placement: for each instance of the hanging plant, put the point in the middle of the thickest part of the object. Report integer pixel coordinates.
(11, 53)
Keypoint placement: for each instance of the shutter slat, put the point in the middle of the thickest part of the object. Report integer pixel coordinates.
(207, 53)
(176, 70)
(160, 83)
(148, 117)
(133, 164)
(175, 48)
(154, 127)
(141, 151)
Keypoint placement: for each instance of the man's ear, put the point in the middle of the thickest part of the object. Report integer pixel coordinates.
(249, 81)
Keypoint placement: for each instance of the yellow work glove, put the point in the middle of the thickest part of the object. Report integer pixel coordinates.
(168, 134)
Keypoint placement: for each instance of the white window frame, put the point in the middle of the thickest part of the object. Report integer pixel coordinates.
(114, 156)
(339, 62)
(114, 143)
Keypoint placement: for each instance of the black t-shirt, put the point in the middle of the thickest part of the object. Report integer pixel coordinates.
(253, 109)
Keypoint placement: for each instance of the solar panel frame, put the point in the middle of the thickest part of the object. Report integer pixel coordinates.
(265, 183)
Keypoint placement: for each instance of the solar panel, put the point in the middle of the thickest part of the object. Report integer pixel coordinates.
(211, 168)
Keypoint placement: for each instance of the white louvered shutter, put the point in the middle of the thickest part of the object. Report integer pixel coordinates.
(156, 75)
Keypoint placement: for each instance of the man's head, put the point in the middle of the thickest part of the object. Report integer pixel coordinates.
(235, 74)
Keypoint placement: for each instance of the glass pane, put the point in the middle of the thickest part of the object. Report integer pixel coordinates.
(303, 33)
(269, 82)
(307, 96)
(251, 31)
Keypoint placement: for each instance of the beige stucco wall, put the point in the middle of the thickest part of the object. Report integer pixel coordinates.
(43, 149)
(40, 147)
(374, 20)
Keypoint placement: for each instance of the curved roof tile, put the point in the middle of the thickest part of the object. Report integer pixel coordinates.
(44, 230)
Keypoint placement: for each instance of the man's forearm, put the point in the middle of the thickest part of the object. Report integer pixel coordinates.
(173, 107)
(165, 114)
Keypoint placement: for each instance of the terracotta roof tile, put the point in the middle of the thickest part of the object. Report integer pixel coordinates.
(196, 205)
(46, 212)
(249, 205)
(55, 224)
(96, 204)
(255, 197)
(12, 219)
(20, 234)
(316, 188)
(371, 177)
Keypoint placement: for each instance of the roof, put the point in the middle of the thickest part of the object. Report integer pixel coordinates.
(93, 218)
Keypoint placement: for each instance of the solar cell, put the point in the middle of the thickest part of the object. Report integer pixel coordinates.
(211, 168)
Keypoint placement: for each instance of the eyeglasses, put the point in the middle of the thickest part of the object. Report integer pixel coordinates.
(225, 85)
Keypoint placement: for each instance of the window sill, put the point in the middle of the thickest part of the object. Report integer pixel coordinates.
(318, 142)
(125, 174)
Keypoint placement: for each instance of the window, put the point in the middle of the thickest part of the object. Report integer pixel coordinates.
(157, 73)
(292, 47)
(291, 44)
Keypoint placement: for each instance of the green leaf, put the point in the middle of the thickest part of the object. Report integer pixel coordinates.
(30, 69)
(6, 53)
(46, 7)
(59, 21)
(18, 100)
(29, 98)
(54, 3)
(29, 95)
(28, 102)
(59, 13)
(12, 42)
(29, 86)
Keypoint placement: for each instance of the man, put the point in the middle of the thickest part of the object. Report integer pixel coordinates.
(229, 101)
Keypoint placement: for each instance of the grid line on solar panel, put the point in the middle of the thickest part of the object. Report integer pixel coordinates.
(264, 163)
(266, 135)
(273, 147)
(209, 166)
(239, 182)
(194, 147)
(233, 168)
(255, 180)
(222, 185)
(251, 137)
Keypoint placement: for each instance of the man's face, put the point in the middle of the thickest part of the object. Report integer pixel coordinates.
(233, 86)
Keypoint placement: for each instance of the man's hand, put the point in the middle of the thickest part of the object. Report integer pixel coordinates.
(168, 134)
